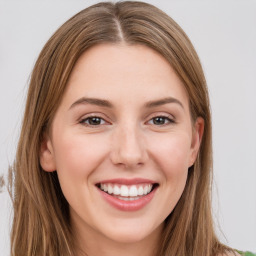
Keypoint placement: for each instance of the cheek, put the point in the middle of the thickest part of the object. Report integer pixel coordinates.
(171, 156)
(172, 153)
(78, 155)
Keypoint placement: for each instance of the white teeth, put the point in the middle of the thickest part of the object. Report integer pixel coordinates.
(116, 190)
(150, 188)
(145, 190)
(128, 198)
(140, 191)
(110, 189)
(133, 191)
(126, 191)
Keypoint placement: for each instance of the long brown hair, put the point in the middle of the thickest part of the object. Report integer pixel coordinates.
(41, 224)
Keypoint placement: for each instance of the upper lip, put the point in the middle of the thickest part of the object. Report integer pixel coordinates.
(124, 181)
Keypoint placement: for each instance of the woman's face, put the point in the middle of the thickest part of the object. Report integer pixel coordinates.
(122, 141)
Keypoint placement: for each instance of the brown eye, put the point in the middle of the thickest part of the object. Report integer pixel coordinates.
(93, 121)
(161, 120)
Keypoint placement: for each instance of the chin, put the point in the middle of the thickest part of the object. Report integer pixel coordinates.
(127, 238)
(131, 233)
(132, 237)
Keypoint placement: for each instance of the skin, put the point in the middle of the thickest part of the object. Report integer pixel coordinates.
(127, 142)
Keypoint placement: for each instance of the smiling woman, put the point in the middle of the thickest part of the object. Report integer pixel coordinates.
(114, 156)
(112, 150)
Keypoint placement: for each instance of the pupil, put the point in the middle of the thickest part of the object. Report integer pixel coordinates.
(159, 120)
(94, 120)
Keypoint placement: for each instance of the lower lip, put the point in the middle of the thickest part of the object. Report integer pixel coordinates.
(122, 205)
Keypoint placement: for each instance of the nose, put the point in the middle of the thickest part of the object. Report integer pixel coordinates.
(128, 147)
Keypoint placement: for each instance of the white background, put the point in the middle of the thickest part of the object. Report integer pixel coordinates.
(224, 34)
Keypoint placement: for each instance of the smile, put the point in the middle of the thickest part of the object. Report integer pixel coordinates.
(124, 192)
(127, 195)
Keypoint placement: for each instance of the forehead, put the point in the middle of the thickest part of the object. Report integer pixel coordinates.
(119, 70)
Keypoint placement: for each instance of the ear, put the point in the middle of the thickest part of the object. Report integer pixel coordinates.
(197, 134)
(47, 159)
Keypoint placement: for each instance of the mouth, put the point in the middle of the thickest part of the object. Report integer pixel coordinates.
(127, 192)
(127, 195)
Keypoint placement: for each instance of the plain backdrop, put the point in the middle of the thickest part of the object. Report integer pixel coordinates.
(224, 35)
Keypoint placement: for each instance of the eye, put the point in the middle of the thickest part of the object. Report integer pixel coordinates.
(161, 120)
(93, 121)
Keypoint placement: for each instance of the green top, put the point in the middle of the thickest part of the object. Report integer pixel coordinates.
(246, 253)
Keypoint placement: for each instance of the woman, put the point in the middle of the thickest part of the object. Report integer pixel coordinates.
(115, 153)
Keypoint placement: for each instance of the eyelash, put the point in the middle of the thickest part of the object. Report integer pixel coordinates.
(168, 120)
(84, 120)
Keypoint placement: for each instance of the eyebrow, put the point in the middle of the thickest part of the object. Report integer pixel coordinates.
(92, 101)
(156, 103)
(106, 103)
